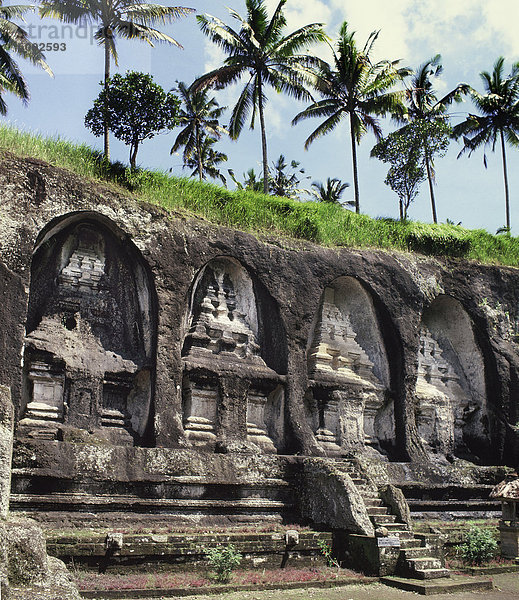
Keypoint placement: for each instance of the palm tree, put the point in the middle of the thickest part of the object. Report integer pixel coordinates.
(330, 192)
(422, 103)
(283, 183)
(251, 181)
(355, 88)
(129, 19)
(205, 163)
(14, 39)
(199, 117)
(499, 118)
(259, 51)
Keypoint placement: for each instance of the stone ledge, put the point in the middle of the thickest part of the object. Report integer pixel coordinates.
(492, 570)
(73, 501)
(456, 583)
(221, 589)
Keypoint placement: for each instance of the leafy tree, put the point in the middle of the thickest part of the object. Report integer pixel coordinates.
(354, 88)
(499, 119)
(199, 118)
(128, 19)
(284, 183)
(404, 151)
(261, 52)
(135, 109)
(330, 192)
(13, 39)
(205, 163)
(423, 104)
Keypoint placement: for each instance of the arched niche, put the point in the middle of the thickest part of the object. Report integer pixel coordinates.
(451, 391)
(347, 404)
(234, 354)
(90, 334)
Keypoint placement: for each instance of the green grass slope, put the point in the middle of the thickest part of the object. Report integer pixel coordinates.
(329, 225)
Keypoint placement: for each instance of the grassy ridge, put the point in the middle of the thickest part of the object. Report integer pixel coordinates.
(330, 225)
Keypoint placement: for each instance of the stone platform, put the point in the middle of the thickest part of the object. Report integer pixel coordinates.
(455, 583)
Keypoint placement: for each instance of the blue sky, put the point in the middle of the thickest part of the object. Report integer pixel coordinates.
(470, 35)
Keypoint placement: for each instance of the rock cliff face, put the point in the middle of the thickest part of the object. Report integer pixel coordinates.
(146, 328)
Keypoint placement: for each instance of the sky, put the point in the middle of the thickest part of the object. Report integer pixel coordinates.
(469, 34)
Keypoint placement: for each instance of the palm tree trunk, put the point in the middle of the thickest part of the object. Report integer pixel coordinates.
(198, 151)
(107, 77)
(505, 174)
(263, 140)
(429, 179)
(355, 170)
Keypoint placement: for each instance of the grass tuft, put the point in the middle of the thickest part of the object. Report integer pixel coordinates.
(325, 224)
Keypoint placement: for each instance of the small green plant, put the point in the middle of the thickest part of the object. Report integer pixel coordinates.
(479, 546)
(223, 559)
(326, 551)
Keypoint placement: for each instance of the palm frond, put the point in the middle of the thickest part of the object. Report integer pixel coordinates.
(325, 127)
(219, 33)
(131, 30)
(241, 110)
(151, 14)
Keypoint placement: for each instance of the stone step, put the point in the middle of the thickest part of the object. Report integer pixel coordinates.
(424, 563)
(410, 543)
(456, 583)
(395, 528)
(377, 510)
(414, 552)
(359, 481)
(368, 494)
(383, 519)
(432, 573)
(372, 502)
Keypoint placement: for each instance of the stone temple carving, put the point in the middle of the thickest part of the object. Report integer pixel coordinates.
(451, 411)
(222, 358)
(86, 361)
(346, 395)
(221, 327)
(335, 348)
(443, 403)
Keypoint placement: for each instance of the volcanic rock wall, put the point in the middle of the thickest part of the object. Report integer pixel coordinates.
(126, 323)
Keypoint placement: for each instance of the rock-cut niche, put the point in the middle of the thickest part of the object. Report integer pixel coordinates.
(347, 403)
(450, 389)
(89, 345)
(233, 355)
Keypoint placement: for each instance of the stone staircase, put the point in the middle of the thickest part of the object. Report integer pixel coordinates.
(415, 560)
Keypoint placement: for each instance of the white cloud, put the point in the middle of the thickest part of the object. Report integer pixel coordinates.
(303, 12)
(370, 15)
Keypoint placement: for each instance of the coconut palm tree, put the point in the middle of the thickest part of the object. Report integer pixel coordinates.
(499, 119)
(260, 52)
(357, 89)
(423, 103)
(128, 19)
(329, 192)
(199, 118)
(206, 164)
(13, 39)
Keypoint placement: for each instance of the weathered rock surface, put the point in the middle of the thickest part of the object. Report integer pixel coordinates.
(329, 497)
(6, 448)
(288, 279)
(26, 572)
